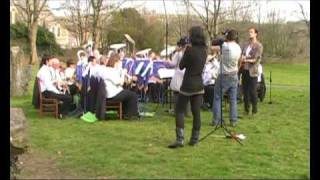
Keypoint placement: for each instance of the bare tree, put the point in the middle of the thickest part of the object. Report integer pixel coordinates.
(304, 17)
(241, 11)
(211, 16)
(97, 8)
(78, 19)
(31, 10)
(276, 37)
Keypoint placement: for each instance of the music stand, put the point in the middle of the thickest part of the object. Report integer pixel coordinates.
(221, 124)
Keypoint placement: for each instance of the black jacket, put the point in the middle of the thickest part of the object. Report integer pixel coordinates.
(193, 60)
(94, 100)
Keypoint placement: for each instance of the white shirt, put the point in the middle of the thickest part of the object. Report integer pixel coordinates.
(231, 53)
(113, 78)
(260, 71)
(69, 72)
(176, 58)
(46, 78)
(248, 50)
(93, 70)
(210, 72)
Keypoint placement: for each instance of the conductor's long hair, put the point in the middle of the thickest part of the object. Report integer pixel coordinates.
(197, 36)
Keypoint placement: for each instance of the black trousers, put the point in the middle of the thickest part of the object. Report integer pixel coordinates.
(175, 99)
(181, 104)
(208, 94)
(130, 102)
(65, 107)
(154, 92)
(73, 89)
(249, 85)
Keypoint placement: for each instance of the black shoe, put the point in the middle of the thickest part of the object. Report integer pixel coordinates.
(75, 112)
(194, 137)
(176, 145)
(192, 143)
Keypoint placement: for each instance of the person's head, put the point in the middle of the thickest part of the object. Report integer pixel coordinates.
(44, 60)
(183, 42)
(92, 59)
(103, 60)
(82, 54)
(253, 33)
(55, 63)
(196, 36)
(113, 60)
(152, 55)
(70, 63)
(232, 35)
(215, 50)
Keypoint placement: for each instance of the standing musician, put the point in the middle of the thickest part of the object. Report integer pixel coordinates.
(251, 58)
(193, 61)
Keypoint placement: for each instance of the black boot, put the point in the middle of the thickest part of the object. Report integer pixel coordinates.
(246, 109)
(180, 139)
(254, 109)
(194, 138)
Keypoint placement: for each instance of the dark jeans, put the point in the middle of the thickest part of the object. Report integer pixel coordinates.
(249, 85)
(130, 102)
(208, 94)
(181, 104)
(154, 92)
(63, 108)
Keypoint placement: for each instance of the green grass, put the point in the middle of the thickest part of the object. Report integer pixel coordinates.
(277, 143)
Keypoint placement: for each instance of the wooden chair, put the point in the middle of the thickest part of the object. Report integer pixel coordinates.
(114, 105)
(47, 105)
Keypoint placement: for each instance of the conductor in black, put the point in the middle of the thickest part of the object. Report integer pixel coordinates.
(192, 88)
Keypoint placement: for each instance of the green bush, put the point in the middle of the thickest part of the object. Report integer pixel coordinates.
(46, 42)
(18, 31)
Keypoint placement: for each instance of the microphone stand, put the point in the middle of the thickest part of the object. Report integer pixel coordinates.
(167, 81)
(270, 102)
(221, 124)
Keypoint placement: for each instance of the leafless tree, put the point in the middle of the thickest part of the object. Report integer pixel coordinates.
(30, 11)
(210, 16)
(241, 11)
(78, 19)
(304, 17)
(99, 7)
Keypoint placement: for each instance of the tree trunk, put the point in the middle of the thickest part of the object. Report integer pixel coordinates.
(32, 41)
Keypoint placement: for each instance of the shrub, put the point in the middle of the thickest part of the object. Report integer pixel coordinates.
(46, 42)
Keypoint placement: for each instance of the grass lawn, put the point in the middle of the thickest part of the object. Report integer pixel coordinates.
(277, 143)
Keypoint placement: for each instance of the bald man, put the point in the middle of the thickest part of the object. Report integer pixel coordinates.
(48, 88)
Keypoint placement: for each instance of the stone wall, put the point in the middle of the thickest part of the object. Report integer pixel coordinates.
(20, 72)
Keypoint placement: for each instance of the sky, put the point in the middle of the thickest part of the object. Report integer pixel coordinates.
(286, 8)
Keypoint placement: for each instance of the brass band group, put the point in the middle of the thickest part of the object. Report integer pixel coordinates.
(199, 76)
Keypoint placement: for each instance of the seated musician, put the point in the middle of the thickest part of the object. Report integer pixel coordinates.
(81, 65)
(154, 82)
(114, 79)
(70, 75)
(49, 84)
